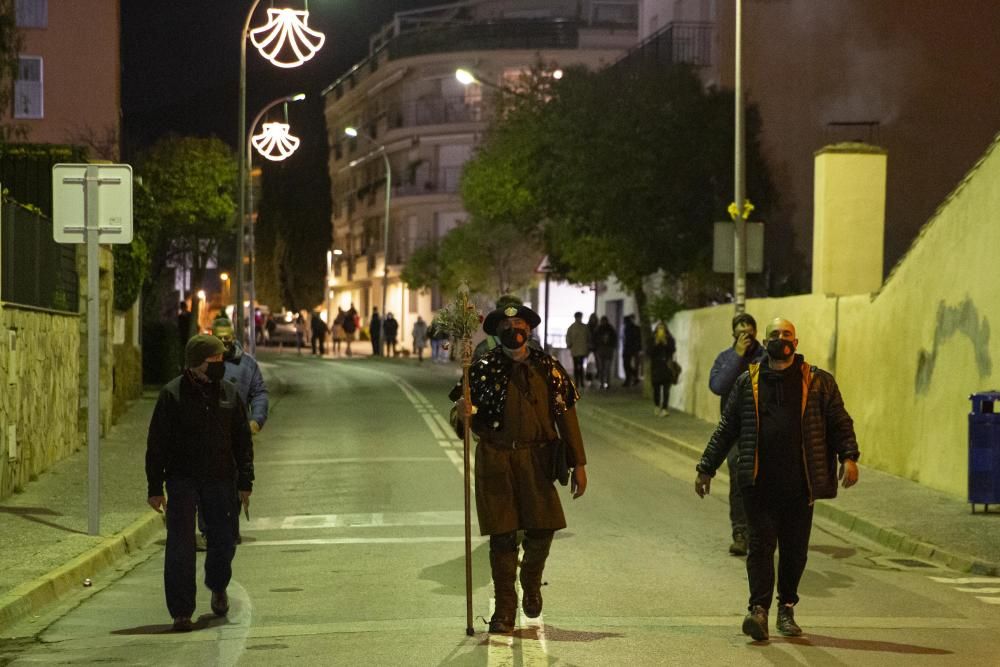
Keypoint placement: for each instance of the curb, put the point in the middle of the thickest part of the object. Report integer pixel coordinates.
(887, 537)
(30, 597)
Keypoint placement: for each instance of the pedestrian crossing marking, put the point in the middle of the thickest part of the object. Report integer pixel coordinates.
(346, 460)
(966, 580)
(974, 580)
(357, 520)
(978, 590)
(358, 540)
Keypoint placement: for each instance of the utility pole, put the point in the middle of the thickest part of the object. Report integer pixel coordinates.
(739, 195)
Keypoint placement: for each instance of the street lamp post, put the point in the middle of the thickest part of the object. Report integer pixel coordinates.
(252, 343)
(740, 229)
(354, 132)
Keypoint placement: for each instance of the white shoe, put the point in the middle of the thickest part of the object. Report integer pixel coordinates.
(656, 412)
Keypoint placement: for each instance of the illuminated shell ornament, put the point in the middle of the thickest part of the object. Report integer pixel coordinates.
(274, 141)
(511, 311)
(286, 40)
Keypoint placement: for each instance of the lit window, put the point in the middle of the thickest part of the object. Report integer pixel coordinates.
(28, 102)
(32, 13)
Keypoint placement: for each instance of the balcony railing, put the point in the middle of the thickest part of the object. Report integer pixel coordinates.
(434, 111)
(677, 42)
(443, 181)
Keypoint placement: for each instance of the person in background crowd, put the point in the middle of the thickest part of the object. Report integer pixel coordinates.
(350, 327)
(729, 365)
(337, 332)
(631, 347)
(661, 353)
(375, 332)
(605, 344)
(419, 338)
(300, 332)
(578, 342)
(789, 424)
(319, 332)
(391, 328)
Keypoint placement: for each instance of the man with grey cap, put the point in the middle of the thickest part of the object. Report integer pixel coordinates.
(199, 446)
(523, 413)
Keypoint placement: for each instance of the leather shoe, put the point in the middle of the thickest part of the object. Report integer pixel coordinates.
(220, 603)
(755, 624)
(183, 624)
(739, 546)
(786, 622)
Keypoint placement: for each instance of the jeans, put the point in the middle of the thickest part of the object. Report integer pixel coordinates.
(776, 521)
(215, 500)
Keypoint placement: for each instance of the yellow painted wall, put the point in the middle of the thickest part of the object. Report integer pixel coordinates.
(907, 358)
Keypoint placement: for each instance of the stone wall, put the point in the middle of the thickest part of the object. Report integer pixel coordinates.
(127, 359)
(907, 357)
(39, 396)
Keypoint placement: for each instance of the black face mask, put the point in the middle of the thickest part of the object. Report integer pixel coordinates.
(230, 350)
(216, 371)
(513, 339)
(779, 349)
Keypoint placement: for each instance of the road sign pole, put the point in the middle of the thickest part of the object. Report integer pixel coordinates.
(92, 225)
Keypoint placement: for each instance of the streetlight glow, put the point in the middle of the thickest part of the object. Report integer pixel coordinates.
(558, 74)
(351, 132)
(465, 77)
(224, 277)
(338, 252)
(275, 142)
(287, 29)
(302, 96)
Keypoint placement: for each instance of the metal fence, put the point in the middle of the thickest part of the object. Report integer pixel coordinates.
(34, 269)
(677, 42)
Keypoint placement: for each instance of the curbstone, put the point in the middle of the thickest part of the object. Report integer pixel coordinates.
(31, 596)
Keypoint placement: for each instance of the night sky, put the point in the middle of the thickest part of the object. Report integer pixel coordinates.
(180, 65)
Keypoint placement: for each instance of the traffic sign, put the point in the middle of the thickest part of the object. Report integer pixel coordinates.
(114, 203)
(723, 251)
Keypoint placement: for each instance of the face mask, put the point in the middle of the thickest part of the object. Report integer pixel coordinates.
(513, 339)
(216, 371)
(230, 348)
(780, 350)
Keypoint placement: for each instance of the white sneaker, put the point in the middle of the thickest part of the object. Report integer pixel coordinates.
(656, 412)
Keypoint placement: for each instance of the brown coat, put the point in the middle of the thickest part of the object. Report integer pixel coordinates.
(513, 491)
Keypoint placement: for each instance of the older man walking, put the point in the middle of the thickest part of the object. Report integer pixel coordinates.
(788, 420)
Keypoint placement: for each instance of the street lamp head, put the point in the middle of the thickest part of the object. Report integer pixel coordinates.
(557, 74)
(465, 77)
(299, 97)
(351, 132)
(338, 252)
(224, 277)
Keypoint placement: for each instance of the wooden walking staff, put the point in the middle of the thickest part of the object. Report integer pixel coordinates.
(461, 320)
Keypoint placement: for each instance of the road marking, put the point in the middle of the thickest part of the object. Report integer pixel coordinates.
(988, 600)
(978, 590)
(382, 459)
(445, 425)
(435, 429)
(359, 540)
(357, 520)
(966, 580)
(500, 652)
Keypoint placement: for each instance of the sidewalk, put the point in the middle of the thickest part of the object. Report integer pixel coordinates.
(45, 551)
(897, 513)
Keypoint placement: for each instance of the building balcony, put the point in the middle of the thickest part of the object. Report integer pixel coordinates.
(443, 181)
(676, 42)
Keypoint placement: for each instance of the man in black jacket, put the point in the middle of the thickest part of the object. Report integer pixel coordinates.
(199, 444)
(789, 423)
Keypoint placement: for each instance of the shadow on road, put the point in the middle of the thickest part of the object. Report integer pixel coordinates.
(821, 641)
(35, 514)
(204, 622)
(450, 575)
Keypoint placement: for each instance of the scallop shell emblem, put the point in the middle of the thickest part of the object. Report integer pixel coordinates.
(275, 142)
(287, 40)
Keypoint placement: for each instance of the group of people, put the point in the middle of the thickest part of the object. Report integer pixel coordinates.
(783, 430)
(598, 339)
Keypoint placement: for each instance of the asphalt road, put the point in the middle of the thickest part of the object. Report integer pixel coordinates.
(354, 556)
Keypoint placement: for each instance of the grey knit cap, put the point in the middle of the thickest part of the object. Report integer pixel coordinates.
(200, 348)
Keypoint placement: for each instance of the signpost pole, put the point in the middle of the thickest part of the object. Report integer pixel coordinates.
(92, 224)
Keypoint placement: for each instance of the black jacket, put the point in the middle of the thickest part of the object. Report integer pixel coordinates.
(660, 355)
(827, 431)
(200, 432)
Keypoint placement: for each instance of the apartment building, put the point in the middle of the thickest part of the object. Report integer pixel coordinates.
(68, 85)
(405, 97)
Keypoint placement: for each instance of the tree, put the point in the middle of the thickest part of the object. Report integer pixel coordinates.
(191, 183)
(10, 47)
(624, 170)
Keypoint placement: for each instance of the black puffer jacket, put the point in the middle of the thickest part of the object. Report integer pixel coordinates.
(827, 431)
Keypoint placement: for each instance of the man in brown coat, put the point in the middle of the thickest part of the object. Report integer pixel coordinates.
(522, 409)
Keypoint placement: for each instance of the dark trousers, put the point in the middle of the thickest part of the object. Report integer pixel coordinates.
(631, 362)
(214, 499)
(319, 340)
(604, 364)
(579, 377)
(661, 394)
(737, 515)
(782, 522)
(376, 345)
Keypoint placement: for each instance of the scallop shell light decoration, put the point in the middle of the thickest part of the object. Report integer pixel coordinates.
(275, 142)
(286, 33)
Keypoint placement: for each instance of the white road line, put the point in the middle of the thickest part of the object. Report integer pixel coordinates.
(381, 459)
(500, 652)
(445, 426)
(357, 540)
(533, 650)
(357, 520)
(966, 580)
(978, 590)
(988, 600)
(435, 429)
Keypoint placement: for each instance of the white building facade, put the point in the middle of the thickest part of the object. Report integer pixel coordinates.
(404, 97)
